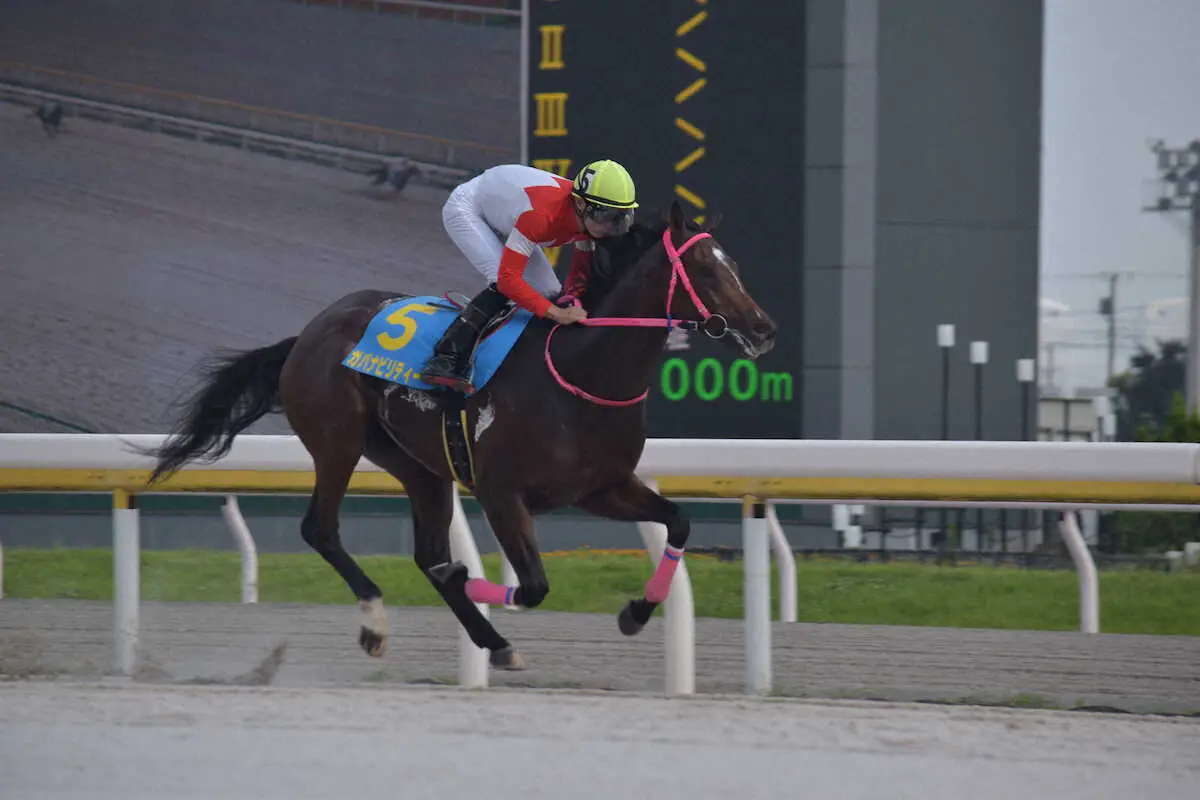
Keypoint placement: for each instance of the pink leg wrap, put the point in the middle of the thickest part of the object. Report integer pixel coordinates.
(481, 591)
(660, 583)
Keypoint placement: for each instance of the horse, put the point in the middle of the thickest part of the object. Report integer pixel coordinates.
(542, 440)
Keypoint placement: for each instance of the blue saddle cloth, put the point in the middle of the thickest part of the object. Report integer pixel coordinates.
(400, 339)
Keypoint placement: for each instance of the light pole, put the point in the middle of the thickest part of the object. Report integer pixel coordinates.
(945, 340)
(1178, 189)
(979, 357)
(1027, 377)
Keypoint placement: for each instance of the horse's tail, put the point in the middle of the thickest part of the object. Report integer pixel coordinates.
(239, 389)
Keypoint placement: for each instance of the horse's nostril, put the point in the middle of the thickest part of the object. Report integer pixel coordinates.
(763, 330)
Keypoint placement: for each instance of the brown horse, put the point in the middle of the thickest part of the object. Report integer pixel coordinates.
(538, 446)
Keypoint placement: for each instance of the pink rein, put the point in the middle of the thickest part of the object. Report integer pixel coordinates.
(678, 275)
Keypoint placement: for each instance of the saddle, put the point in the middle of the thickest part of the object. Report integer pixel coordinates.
(490, 327)
(456, 434)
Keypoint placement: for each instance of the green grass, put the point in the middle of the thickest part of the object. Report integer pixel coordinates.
(974, 596)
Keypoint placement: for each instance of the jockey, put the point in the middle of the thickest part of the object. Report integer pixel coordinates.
(500, 220)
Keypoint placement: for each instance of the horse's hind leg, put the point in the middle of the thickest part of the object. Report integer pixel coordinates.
(633, 501)
(320, 530)
(432, 499)
(330, 419)
(513, 526)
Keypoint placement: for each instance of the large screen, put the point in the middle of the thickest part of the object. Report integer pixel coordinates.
(702, 102)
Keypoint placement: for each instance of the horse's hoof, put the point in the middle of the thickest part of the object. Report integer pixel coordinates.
(625, 621)
(373, 642)
(448, 572)
(507, 658)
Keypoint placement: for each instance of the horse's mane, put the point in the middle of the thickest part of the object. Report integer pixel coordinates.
(617, 255)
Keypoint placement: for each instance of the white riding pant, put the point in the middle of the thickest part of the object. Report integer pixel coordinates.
(483, 247)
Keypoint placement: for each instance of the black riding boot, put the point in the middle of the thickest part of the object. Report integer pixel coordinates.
(448, 366)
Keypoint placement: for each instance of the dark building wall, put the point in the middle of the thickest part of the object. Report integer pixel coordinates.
(839, 243)
(922, 185)
(957, 188)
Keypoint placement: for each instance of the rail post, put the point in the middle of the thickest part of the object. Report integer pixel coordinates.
(126, 580)
(1085, 566)
(245, 542)
(756, 595)
(679, 613)
(785, 565)
(472, 659)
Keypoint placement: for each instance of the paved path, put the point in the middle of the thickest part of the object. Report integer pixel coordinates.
(226, 642)
(66, 742)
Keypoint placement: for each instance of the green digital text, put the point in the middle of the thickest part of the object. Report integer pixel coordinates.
(710, 380)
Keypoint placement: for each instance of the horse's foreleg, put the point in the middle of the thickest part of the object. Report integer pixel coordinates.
(513, 526)
(633, 501)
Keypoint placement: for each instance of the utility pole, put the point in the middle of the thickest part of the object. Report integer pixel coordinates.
(1108, 308)
(1051, 372)
(1178, 189)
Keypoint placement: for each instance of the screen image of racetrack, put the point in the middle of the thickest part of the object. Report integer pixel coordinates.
(130, 255)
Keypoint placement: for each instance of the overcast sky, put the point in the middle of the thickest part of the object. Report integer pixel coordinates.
(1117, 73)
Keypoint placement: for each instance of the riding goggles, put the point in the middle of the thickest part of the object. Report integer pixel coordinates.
(612, 221)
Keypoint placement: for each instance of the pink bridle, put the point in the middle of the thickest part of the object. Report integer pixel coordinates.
(678, 275)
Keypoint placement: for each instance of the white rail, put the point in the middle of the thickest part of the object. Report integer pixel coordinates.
(755, 469)
(1089, 588)
(126, 584)
(756, 596)
(472, 660)
(785, 565)
(245, 542)
(679, 613)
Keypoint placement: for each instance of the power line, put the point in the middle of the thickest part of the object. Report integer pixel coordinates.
(1097, 276)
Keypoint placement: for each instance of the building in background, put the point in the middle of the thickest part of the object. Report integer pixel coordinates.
(878, 163)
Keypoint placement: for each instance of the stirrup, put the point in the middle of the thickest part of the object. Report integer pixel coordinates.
(463, 387)
(452, 376)
(455, 382)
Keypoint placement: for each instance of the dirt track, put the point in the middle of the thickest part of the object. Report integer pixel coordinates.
(222, 642)
(126, 256)
(135, 741)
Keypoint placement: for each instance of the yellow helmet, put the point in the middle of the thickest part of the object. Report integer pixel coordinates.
(605, 183)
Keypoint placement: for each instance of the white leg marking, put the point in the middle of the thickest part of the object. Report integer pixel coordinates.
(374, 618)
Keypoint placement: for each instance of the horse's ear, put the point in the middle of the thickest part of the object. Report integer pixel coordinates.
(676, 219)
(714, 220)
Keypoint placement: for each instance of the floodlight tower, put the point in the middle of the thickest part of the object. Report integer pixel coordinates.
(1177, 188)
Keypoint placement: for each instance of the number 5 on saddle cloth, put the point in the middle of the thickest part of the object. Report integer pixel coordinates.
(401, 337)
